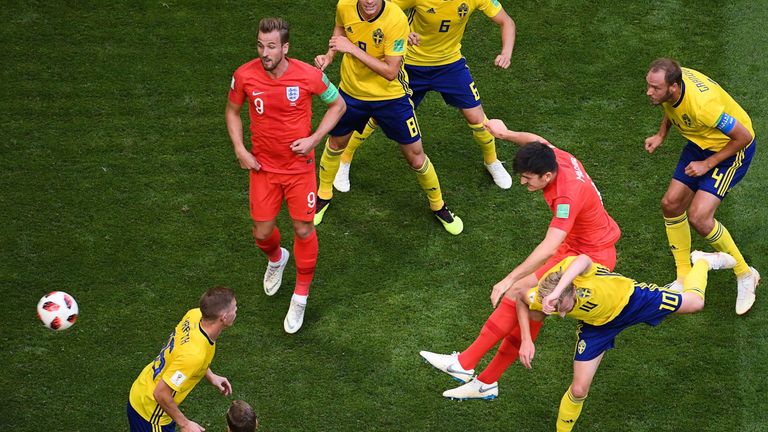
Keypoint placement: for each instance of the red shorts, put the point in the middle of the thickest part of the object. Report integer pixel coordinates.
(267, 190)
(605, 256)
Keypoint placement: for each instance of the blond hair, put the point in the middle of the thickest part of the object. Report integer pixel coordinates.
(547, 286)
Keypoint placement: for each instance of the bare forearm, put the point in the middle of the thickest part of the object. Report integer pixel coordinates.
(508, 31)
(168, 405)
(329, 120)
(235, 129)
(664, 127)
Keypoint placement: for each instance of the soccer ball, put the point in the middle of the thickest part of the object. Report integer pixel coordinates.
(57, 310)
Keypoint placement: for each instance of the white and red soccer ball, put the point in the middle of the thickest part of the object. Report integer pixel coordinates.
(57, 310)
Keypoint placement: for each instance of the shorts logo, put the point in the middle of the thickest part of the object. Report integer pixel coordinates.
(232, 86)
(563, 211)
(463, 10)
(292, 93)
(581, 346)
(687, 120)
(378, 37)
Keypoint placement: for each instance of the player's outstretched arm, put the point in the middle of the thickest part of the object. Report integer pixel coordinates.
(498, 129)
(235, 129)
(324, 60)
(164, 397)
(335, 110)
(544, 251)
(222, 384)
(508, 30)
(654, 141)
(524, 315)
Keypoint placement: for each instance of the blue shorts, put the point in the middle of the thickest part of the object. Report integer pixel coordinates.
(453, 81)
(720, 179)
(395, 117)
(137, 423)
(648, 304)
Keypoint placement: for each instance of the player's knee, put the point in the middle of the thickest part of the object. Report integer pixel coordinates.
(702, 222)
(261, 234)
(415, 156)
(671, 207)
(303, 230)
(579, 390)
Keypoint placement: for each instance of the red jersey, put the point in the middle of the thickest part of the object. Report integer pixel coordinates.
(577, 207)
(280, 111)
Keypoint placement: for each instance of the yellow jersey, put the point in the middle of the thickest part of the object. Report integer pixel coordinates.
(702, 105)
(182, 363)
(441, 25)
(386, 34)
(600, 294)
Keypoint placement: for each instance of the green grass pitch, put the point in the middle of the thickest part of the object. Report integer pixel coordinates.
(118, 185)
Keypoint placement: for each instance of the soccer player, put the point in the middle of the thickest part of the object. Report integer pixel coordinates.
(721, 144)
(605, 303)
(372, 34)
(281, 162)
(434, 62)
(579, 225)
(183, 361)
(241, 417)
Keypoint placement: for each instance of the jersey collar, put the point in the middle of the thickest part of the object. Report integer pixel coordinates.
(682, 94)
(205, 334)
(383, 5)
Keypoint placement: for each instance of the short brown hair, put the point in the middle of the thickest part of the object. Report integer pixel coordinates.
(672, 72)
(268, 25)
(241, 417)
(215, 301)
(548, 284)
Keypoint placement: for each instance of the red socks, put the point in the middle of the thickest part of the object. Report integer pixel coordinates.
(271, 245)
(502, 324)
(507, 354)
(305, 252)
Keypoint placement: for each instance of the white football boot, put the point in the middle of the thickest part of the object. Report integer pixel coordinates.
(448, 363)
(474, 389)
(716, 260)
(500, 175)
(273, 277)
(746, 285)
(341, 182)
(295, 317)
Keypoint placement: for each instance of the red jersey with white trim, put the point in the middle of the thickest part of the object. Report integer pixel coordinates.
(577, 207)
(280, 111)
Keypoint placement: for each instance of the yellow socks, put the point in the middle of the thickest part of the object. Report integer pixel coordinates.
(357, 140)
(696, 280)
(427, 177)
(486, 141)
(570, 409)
(329, 166)
(679, 237)
(721, 240)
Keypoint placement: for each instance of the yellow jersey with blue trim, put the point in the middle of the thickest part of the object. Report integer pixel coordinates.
(441, 25)
(601, 294)
(703, 110)
(386, 34)
(181, 364)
